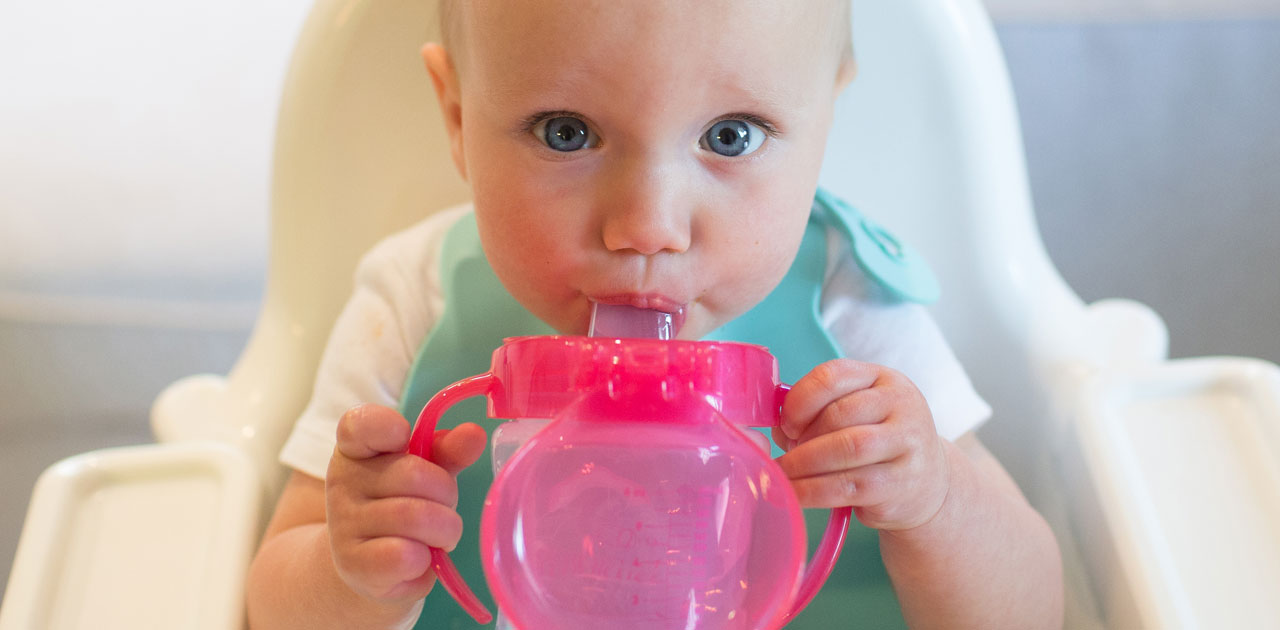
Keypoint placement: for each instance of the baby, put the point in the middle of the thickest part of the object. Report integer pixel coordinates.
(662, 154)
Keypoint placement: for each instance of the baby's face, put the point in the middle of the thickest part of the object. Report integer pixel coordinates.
(658, 153)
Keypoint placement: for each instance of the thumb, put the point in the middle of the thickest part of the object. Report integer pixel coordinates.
(370, 430)
(459, 447)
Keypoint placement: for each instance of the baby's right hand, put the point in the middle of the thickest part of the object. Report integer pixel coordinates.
(385, 508)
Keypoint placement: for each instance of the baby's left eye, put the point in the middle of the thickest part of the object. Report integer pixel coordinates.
(733, 137)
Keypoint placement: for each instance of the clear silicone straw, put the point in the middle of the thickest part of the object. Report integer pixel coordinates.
(629, 322)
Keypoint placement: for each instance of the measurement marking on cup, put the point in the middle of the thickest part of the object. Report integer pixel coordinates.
(656, 565)
(672, 543)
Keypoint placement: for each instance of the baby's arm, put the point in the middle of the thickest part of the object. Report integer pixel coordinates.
(986, 559)
(962, 545)
(367, 564)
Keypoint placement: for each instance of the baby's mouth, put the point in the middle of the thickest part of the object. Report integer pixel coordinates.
(636, 318)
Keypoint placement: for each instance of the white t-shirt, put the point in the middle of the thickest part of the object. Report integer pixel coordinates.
(397, 300)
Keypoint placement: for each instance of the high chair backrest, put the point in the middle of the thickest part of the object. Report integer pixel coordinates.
(926, 140)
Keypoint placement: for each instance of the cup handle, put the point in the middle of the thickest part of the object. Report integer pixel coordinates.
(420, 444)
(828, 551)
(823, 561)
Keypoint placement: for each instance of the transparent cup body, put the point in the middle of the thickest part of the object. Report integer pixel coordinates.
(510, 437)
(641, 526)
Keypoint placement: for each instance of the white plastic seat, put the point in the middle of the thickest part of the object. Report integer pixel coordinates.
(1162, 479)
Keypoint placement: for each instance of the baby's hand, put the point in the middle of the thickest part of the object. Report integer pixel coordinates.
(860, 434)
(385, 508)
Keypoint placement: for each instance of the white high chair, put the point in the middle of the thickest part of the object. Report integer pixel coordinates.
(1160, 477)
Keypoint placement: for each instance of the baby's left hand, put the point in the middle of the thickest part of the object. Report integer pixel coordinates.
(861, 434)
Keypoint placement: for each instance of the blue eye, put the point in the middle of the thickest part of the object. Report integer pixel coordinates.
(565, 133)
(733, 137)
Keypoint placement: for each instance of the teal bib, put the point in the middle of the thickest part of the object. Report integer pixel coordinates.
(479, 314)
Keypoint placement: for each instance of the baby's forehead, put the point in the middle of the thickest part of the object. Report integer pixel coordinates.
(817, 24)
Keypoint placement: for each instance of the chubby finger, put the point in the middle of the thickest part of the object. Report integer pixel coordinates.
(427, 522)
(368, 430)
(395, 475)
(781, 439)
(821, 387)
(851, 447)
(858, 487)
(455, 449)
(865, 406)
(383, 567)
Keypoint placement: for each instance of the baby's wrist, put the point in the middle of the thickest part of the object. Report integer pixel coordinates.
(939, 521)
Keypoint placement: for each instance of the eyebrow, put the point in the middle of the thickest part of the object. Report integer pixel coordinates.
(765, 98)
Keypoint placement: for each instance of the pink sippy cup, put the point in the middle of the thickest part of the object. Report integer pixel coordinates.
(642, 504)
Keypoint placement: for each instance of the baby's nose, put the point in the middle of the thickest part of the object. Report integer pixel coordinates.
(646, 212)
(646, 229)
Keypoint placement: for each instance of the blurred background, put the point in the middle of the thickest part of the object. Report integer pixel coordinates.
(135, 141)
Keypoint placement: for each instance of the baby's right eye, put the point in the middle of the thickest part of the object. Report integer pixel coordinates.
(565, 133)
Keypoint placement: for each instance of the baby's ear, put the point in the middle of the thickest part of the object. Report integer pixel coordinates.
(846, 73)
(445, 80)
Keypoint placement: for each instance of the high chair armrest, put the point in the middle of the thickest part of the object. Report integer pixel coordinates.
(1125, 333)
(252, 409)
(153, 536)
(217, 409)
(1175, 467)
(181, 412)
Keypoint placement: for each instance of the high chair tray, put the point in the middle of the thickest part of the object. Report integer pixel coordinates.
(1191, 453)
(154, 536)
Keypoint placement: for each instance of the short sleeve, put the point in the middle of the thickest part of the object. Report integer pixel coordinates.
(871, 325)
(375, 339)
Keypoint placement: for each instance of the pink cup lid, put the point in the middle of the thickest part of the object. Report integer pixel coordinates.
(537, 377)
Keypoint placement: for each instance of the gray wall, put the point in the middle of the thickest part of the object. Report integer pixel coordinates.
(1154, 155)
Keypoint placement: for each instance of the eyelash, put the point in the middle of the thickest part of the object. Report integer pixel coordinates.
(768, 127)
(527, 125)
